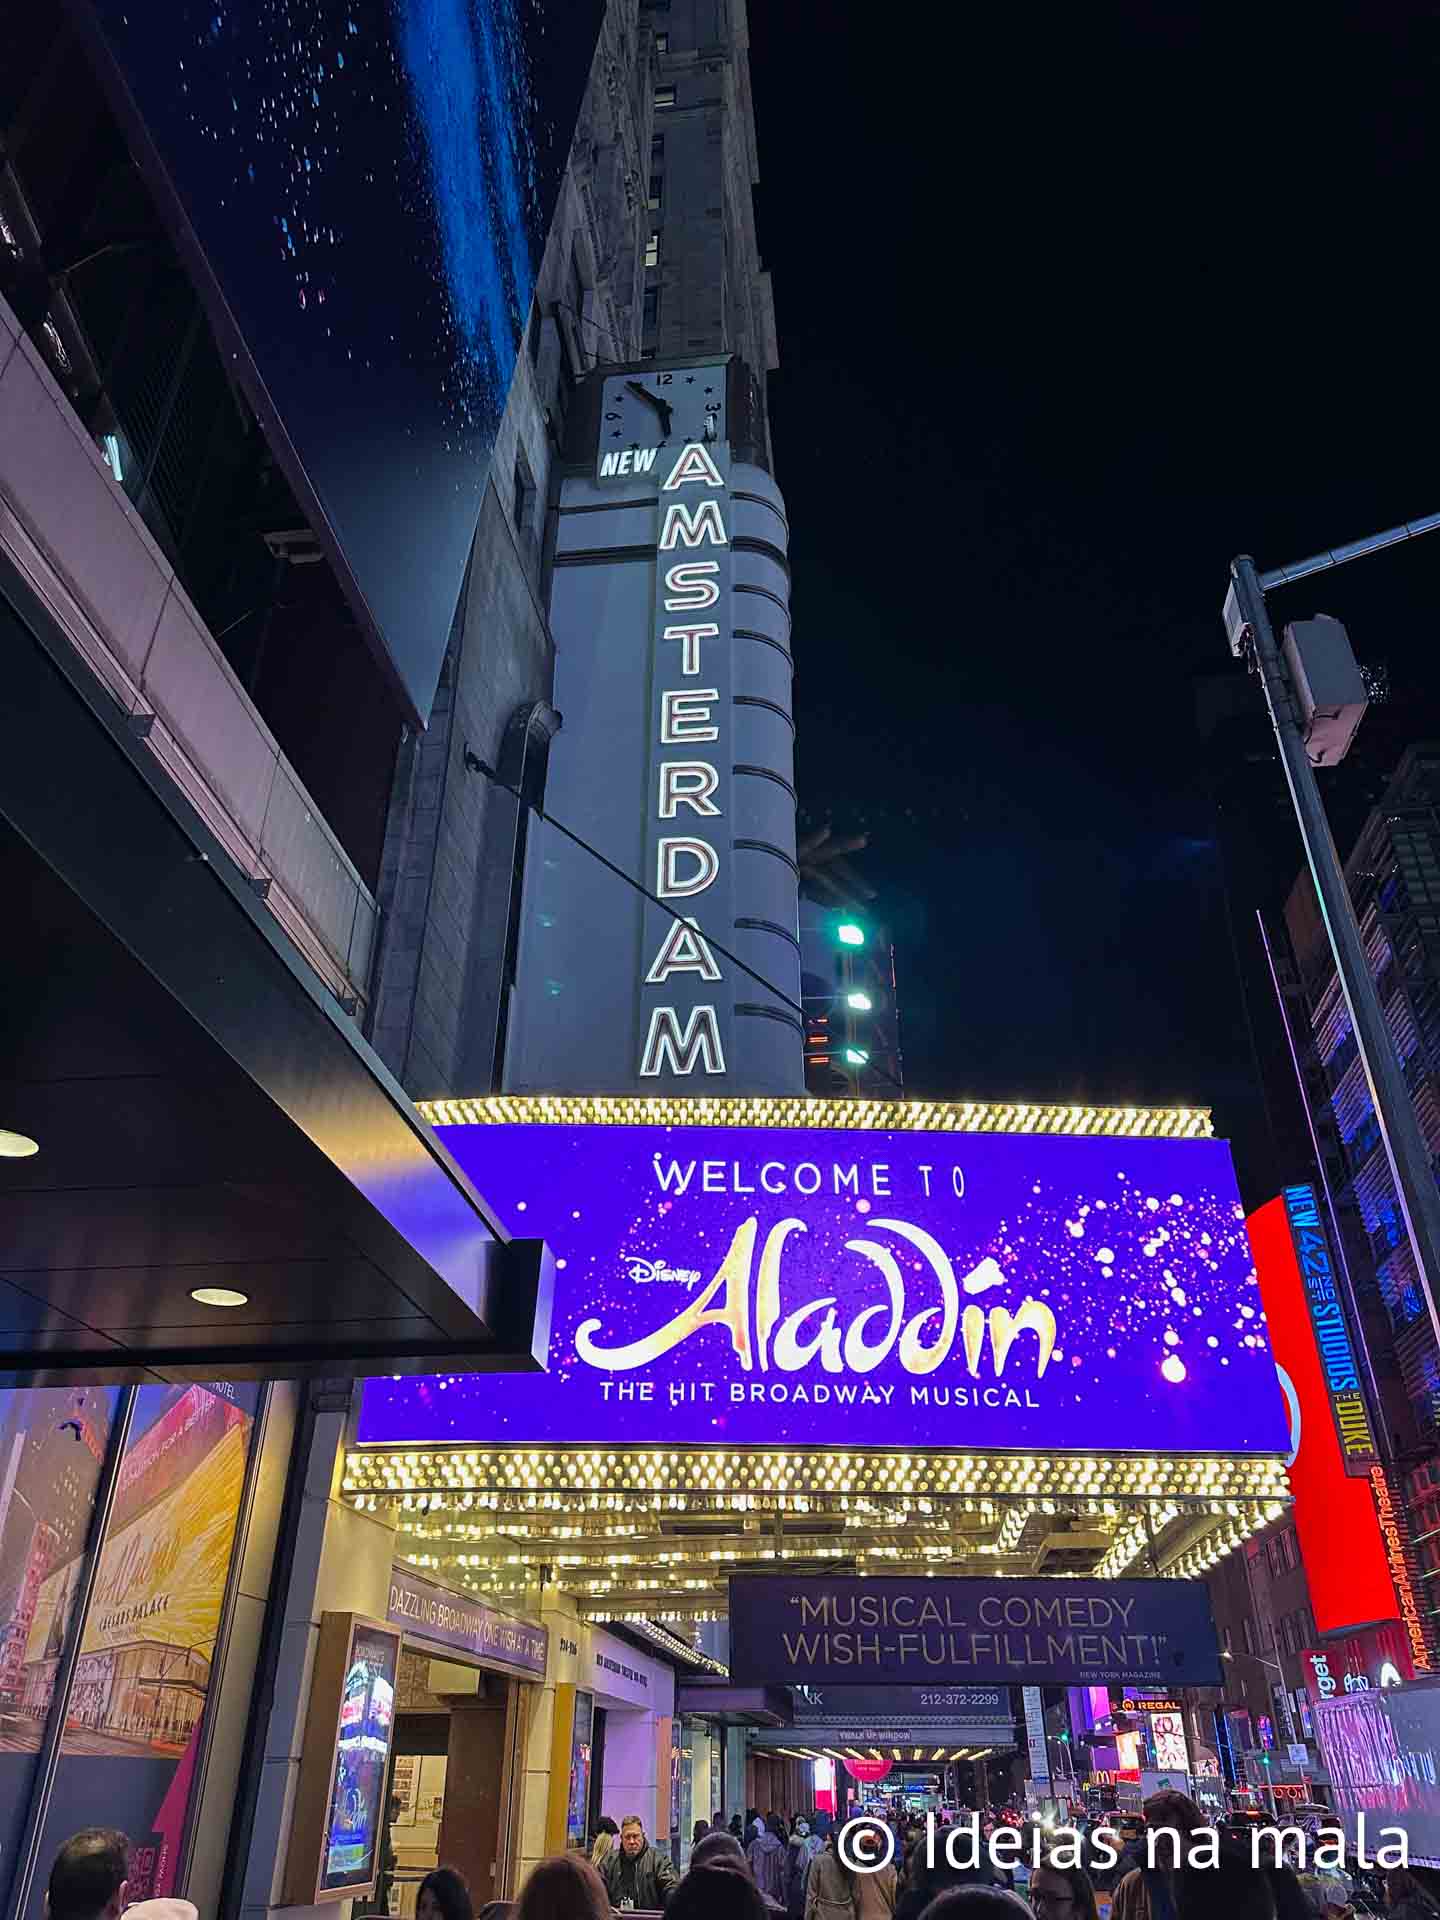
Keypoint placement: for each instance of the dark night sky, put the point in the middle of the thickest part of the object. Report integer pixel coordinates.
(1072, 309)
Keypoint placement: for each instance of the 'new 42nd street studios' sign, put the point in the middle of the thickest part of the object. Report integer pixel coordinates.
(1038, 1632)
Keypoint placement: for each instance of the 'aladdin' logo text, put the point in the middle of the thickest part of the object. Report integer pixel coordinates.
(749, 1310)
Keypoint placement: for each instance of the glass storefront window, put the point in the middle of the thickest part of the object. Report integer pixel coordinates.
(148, 1644)
(690, 1756)
(52, 1451)
(679, 1798)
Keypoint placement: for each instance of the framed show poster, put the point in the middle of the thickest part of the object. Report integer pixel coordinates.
(349, 1730)
(404, 1789)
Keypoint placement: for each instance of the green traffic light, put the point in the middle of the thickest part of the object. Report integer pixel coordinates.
(857, 1056)
(850, 934)
(861, 1002)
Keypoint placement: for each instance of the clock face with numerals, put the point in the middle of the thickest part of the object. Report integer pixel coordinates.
(662, 407)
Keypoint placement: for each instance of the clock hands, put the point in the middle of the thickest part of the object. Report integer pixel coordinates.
(662, 407)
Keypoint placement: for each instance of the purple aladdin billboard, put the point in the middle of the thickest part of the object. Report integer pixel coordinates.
(756, 1287)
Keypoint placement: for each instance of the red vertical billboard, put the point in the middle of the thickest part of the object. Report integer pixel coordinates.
(1333, 1453)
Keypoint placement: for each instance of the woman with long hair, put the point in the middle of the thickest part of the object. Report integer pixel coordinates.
(606, 1833)
(443, 1895)
(1062, 1893)
(564, 1887)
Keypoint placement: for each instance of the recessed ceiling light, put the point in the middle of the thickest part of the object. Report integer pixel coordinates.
(16, 1146)
(219, 1296)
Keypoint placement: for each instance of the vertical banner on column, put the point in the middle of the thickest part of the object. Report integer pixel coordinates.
(1035, 1737)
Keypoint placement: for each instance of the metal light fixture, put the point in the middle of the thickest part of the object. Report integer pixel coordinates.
(16, 1146)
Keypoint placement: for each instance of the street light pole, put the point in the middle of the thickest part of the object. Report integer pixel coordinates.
(1400, 1133)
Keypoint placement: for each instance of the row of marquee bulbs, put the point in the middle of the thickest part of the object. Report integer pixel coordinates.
(887, 1116)
(1011, 1527)
(859, 1514)
(663, 1570)
(408, 1471)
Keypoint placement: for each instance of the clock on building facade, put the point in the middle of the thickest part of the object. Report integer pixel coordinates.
(667, 407)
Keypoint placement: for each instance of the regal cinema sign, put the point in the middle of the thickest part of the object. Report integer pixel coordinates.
(687, 861)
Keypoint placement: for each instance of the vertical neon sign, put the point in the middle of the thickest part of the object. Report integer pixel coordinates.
(687, 858)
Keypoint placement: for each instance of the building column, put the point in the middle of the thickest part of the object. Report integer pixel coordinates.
(735, 1781)
(545, 1797)
(341, 1564)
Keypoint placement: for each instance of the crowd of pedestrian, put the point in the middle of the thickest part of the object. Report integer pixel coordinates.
(761, 1865)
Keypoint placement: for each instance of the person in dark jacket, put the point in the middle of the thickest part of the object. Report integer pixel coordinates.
(1406, 1898)
(766, 1854)
(1235, 1888)
(718, 1893)
(927, 1883)
(722, 1849)
(976, 1903)
(635, 1873)
(802, 1849)
(1148, 1892)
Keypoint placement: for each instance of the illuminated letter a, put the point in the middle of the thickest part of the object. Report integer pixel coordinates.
(693, 467)
(683, 950)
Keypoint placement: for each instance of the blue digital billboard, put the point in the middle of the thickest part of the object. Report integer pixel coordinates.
(364, 189)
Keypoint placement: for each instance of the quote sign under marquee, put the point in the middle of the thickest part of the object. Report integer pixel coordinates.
(750, 1287)
(1042, 1632)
